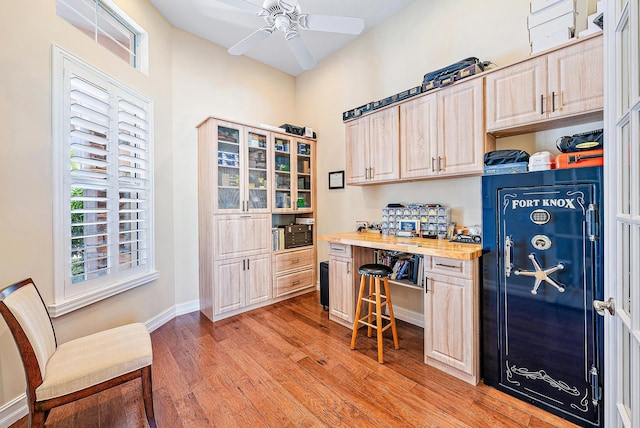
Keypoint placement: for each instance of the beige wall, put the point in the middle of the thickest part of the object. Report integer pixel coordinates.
(209, 82)
(188, 80)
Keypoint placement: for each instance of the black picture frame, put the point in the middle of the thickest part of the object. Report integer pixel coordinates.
(336, 180)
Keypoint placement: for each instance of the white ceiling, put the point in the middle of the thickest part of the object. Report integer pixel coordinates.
(225, 26)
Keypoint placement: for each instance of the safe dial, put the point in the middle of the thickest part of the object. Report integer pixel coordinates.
(541, 242)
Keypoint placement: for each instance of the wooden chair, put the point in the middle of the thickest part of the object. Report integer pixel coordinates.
(58, 375)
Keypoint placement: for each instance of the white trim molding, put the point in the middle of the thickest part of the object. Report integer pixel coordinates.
(14, 410)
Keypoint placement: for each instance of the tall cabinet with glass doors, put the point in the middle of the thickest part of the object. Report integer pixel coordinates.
(250, 181)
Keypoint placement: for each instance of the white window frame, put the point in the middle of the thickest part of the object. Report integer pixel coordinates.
(141, 48)
(68, 296)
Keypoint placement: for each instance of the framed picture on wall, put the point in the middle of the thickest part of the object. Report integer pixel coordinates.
(336, 180)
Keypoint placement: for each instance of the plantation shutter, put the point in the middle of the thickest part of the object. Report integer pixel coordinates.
(107, 180)
(90, 144)
(132, 183)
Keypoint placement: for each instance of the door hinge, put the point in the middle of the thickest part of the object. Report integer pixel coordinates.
(592, 222)
(596, 391)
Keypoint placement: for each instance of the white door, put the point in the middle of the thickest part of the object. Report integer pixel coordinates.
(622, 213)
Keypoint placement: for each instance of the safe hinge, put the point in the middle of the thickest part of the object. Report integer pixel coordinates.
(592, 222)
(596, 391)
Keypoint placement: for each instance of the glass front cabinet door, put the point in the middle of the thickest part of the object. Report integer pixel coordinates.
(292, 174)
(242, 169)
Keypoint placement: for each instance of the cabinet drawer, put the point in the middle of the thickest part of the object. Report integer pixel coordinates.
(449, 267)
(341, 250)
(293, 260)
(285, 284)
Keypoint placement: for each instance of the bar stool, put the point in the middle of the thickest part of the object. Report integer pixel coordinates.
(374, 272)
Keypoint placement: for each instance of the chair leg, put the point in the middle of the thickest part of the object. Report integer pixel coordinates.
(391, 317)
(379, 320)
(358, 310)
(147, 395)
(37, 419)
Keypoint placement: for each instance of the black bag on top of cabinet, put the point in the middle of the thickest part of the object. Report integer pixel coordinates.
(447, 75)
(591, 140)
(500, 157)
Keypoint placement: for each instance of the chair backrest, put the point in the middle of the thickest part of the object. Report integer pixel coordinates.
(24, 311)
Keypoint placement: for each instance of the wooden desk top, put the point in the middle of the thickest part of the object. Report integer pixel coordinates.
(429, 247)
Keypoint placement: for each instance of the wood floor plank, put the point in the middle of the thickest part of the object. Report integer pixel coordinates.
(287, 365)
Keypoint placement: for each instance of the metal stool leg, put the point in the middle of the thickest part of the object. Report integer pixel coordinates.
(358, 309)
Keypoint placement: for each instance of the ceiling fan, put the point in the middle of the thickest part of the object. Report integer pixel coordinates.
(285, 16)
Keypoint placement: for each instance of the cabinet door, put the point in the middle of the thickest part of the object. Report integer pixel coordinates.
(449, 323)
(258, 279)
(418, 137)
(282, 166)
(241, 235)
(230, 176)
(258, 171)
(517, 94)
(356, 139)
(461, 129)
(341, 290)
(384, 145)
(228, 287)
(576, 80)
(304, 167)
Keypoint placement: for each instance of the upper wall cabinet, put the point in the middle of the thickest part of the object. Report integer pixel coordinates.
(562, 87)
(443, 133)
(373, 147)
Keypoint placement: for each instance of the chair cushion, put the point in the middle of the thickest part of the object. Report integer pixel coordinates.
(92, 359)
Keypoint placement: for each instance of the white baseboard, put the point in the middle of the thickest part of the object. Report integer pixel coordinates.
(166, 316)
(415, 318)
(18, 408)
(14, 410)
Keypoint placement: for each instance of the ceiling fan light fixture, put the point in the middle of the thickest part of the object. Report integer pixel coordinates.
(282, 23)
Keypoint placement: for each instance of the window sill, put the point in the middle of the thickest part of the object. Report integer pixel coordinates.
(77, 302)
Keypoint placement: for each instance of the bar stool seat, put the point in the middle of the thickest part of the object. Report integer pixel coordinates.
(375, 301)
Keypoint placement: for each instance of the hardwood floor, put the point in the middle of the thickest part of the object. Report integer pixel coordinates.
(287, 365)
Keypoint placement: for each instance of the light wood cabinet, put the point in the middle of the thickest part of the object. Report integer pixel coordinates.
(240, 282)
(294, 271)
(342, 295)
(372, 143)
(451, 312)
(564, 86)
(443, 133)
(294, 163)
(241, 235)
(419, 137)
(237, 208)
(235, 165)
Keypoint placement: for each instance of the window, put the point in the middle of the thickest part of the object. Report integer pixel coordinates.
(103, 192)
(109, 26)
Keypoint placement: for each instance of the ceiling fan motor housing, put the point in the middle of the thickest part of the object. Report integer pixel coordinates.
(281, 14)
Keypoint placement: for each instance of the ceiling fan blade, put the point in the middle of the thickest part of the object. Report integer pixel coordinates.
(250, 41)
(300, 50)
(333, 24)
(243, 5)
